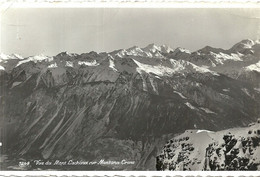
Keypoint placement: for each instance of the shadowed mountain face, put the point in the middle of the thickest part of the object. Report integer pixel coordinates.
(124, 104)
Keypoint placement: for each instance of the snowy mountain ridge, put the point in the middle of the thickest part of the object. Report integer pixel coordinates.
(7, 57)
(150, 50)
(215, 56)
(240, 61)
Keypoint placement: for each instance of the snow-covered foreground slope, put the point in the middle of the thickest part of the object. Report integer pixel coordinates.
(231, 149)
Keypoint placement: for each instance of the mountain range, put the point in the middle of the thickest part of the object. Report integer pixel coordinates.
(124, 104)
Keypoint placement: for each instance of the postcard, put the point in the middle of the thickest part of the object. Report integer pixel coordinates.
(130, 88)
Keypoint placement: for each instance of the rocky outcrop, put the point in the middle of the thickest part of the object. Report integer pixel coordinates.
(232, 149)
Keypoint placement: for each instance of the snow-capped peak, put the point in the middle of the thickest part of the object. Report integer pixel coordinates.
(39, 57)
(244, 44)
(183, 50)
(166, 49)
(155, 48)
(248, 43)
(4, 56)
(17, 56)
(66, 54)
(135, 51)
(12, 56)
(152, 48)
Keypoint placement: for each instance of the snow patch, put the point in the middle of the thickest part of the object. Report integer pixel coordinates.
(204, 70)
(184, 50)
(189, 105)
(144, 81)
(54, 65)
(204, 66)
(153, 85)
(254, 67)
(206, 110)
(15, 84)
(186, 66)
(257, 89)
(2, 68)
(35, 59)
(69, 64)
(226, 90)
(245, 91)
(93, 63)
(200, 131)
(181, 95)
(176, 66)
(157, 69)
(220, 57)
(112, 64)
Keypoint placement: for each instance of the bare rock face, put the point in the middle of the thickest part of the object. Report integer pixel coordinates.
(231, 149)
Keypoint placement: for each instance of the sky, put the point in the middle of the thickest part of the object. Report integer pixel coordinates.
(34, 31)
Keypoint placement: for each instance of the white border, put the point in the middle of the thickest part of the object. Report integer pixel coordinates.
(130, 173)
(131, 4)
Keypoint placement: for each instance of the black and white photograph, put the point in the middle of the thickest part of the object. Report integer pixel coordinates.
(134, 89)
